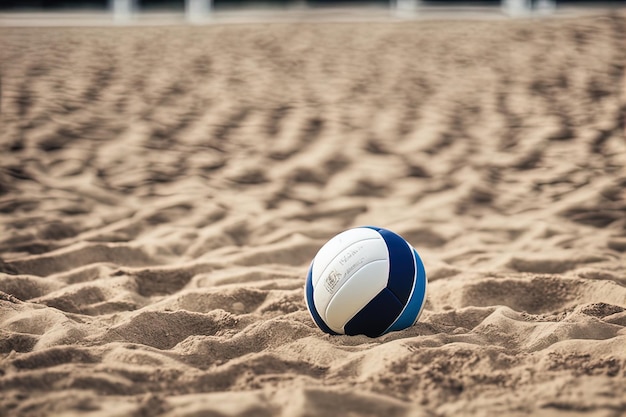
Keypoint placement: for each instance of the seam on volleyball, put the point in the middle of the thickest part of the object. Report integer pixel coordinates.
(306, 298)
(414, 266)
(419, 313)
(340, 252)
(394, 295)
(410, 295)
(343, 328)
(352, 276)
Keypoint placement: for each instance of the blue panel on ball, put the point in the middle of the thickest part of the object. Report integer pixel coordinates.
(376, 316)
(414, 306)
(401, 264)
(311, 304)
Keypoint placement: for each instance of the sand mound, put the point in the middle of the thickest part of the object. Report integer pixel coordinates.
(162, 191)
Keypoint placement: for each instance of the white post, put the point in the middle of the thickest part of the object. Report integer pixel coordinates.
(406, 7)
(516, 7)
(197, 11)
(545, 7)
(122, 10)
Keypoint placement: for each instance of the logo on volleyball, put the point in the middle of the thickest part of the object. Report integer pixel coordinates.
(331, 280)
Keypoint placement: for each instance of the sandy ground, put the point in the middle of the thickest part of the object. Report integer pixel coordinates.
(163, 190)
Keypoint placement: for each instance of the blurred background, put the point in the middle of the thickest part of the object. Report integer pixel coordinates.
(179, 5)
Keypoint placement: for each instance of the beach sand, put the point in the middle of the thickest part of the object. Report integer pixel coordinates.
(164, 189)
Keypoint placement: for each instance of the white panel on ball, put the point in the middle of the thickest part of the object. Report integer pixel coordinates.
(344, 265)
(359, 290)
(336, 245)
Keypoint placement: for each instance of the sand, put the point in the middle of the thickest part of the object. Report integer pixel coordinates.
(163, 190)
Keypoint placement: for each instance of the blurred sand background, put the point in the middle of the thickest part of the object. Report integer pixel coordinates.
(163, 190)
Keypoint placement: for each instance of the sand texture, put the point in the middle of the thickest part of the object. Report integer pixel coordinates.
(163, 190)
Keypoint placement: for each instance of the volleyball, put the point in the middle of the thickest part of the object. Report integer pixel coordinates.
(366, 280)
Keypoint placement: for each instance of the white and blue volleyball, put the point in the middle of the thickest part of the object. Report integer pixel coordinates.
(366, 280)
